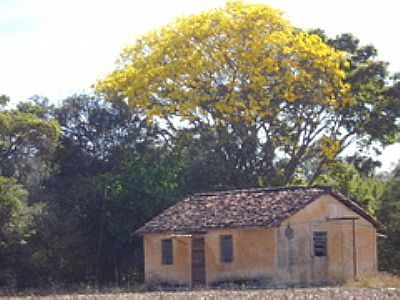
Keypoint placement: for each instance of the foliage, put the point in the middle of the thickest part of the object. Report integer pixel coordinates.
(142, 185)
(241, 64)
(111, 175)
(16, 221)
(218, 158)
(244, 65)
(243, 61)
(344, 177)
(13, 211)
(96, 126)
(389, 214)
(23, 137)
(376, 109)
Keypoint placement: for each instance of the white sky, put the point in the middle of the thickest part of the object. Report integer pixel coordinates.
(55, 48)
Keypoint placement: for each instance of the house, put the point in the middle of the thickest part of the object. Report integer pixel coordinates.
(279, 236)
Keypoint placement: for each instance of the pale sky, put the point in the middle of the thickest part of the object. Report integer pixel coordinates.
(55, 48)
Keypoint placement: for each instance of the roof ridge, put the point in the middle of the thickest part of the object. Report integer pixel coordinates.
(266, 189)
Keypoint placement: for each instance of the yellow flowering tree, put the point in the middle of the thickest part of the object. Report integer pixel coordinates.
(241, 65)
(242, 61)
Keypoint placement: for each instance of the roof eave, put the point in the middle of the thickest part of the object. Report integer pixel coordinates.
(360, 211)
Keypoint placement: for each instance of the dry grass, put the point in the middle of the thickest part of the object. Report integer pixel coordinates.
(295, 294)
(379, 280)
(378, 286)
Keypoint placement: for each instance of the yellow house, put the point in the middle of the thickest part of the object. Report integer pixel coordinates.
(279, 236)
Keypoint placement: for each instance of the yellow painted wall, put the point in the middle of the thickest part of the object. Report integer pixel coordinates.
(253, 256)
(296, 262)
(155, 271)
(268, 255)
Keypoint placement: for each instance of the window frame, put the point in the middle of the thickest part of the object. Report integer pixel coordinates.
(167, 252)
(320, 243)
(226, 248)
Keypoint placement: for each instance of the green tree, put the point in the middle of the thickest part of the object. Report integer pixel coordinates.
(218, 158)
(373, 117)
(97, 126)
(143, 184)
(111, 175)
(389, 214)
(16, 226)
(24, 136)
(347, 179)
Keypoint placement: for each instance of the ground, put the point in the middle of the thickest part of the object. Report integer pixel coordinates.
(295, 294)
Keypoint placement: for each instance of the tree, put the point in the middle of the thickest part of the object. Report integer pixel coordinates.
(143, 184)
(218, 158)
(242, 65)
(24, 136)
(96, 126)
(389, 214)
(345, 177)
(111, 174)
(373, 117)
(243, 61)
(16, 225)
(376, 106)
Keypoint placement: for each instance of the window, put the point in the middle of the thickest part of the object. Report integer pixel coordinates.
(166, 252)
(226, 248)
(319, 243)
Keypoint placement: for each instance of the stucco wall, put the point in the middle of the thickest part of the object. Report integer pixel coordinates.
(253, 256)
(155, 271)
(296, 262)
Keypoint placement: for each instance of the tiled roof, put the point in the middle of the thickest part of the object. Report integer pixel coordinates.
(242, 208)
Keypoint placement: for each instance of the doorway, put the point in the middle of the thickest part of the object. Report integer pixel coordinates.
(198, 262)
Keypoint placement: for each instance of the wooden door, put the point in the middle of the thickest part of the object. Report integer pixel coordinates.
(198, 262)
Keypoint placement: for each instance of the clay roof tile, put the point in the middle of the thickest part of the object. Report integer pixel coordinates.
(242, 208)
